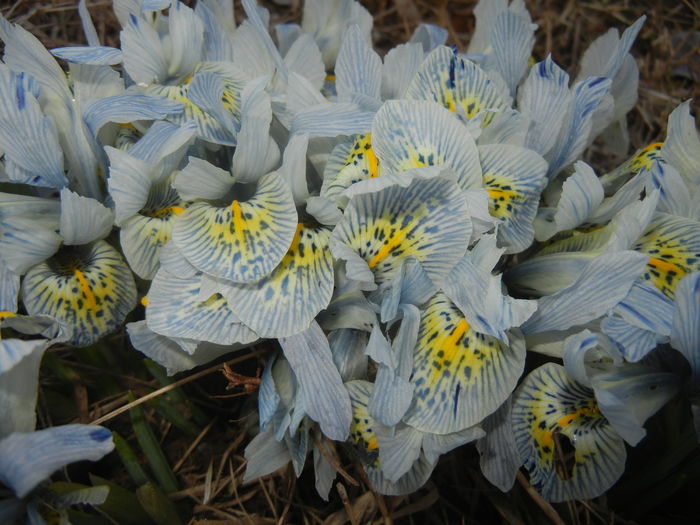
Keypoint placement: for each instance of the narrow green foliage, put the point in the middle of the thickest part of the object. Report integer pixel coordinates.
(128, 457)
(151, 449)
(121, 505)
(157, 505)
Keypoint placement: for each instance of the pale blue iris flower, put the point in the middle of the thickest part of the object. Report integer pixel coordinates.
(361, 211)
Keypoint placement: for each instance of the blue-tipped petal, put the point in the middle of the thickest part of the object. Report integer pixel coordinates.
(26, 459)
(142, 51)
(413, 134)
(19, 370)
(89, 55)
(243, 241)
(514, 178)
(285, 302)
(27, 137)
(89, 288)
(83, 220)
(574, 136)
(428, 220)
(187, 38)
(549, 407)
(24, 52)
(127, 108)
(457, 84)
(454, 366)
(545, 97)
(429, 36)
(324, 397)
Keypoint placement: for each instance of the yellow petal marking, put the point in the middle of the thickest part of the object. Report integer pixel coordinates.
(239, 224)
(165, 212)
(90, 300)
(394, 242)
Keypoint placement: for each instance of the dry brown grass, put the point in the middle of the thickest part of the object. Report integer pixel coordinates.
(210, 466)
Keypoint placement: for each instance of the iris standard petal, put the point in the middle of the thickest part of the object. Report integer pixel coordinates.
(512, 38)
(83, 219)
(358, 68)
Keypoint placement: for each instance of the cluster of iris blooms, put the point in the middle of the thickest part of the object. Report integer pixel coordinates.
(406, 227)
